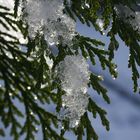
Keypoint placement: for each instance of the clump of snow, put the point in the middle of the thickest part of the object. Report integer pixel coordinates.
(74, 75)
(129, 16)
(74, 106)
(100, 23)
(47, 17)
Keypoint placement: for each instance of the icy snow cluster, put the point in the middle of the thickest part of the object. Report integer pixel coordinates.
(129, 16)
(74, 76)
(100, 24)
(47, 17)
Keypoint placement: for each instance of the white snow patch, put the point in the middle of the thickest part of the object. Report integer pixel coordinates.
(47, 18)
(74, 76)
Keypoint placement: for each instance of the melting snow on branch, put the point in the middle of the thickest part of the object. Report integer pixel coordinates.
(74, 76)
(47, 17)
(129, 16)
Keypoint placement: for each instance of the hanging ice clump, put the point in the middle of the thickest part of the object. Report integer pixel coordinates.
(100, 24)
(129, 16)
(47, 17)
(74, 76)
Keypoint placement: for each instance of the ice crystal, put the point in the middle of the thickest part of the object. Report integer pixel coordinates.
(74, 76)
(129, 16)
(47, 17)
